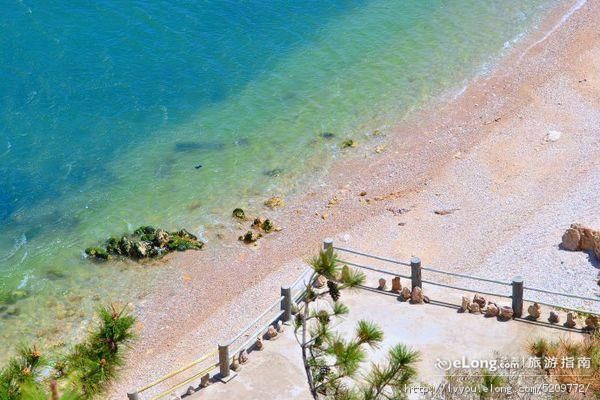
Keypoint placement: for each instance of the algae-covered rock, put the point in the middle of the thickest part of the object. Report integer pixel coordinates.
(239, 214)
(146, 242)
(250, 237)
(349, 143)
(97, 252)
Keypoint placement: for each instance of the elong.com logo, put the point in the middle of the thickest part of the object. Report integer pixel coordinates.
(464, 363)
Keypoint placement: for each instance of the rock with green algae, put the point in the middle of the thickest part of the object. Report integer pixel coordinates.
(250, 237)
(146, 242)
(349, 143)
(239, 214)
(97, 252)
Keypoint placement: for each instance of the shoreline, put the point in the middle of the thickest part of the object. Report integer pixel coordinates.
(182, 317)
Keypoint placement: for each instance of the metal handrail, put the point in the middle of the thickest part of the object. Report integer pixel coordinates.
(182, 369)
(383, 271)
(255, 321)
(476, 278)
(560, 294)
(189, 380)
(372, 256)
(467, 289)
(256, 333)
(562, 307)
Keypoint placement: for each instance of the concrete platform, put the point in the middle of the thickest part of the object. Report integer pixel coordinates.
(437, 330)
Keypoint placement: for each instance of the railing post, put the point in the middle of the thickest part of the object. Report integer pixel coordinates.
(415, 272)
(328, 246)
(133, 395)
(224, 361)
(286, 303)
(517, 296)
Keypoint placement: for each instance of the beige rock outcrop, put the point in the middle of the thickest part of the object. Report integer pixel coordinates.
(579, 237)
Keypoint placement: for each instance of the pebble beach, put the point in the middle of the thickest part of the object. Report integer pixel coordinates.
(508, 163)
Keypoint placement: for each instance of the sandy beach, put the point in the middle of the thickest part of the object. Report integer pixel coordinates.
(514, 159)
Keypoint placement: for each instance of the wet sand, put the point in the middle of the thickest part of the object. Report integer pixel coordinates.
(483, 154)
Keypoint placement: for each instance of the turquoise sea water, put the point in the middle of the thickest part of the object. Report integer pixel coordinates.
(106, 107)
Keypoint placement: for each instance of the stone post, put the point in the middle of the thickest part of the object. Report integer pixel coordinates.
(517, 296)
(224, 361)
(328, 246)
(286, 303)
(133, 395)
(415, 272)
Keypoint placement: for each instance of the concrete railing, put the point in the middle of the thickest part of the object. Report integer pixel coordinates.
(281, 309)
(516, 294)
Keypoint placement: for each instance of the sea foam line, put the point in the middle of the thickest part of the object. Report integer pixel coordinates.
(565, 18)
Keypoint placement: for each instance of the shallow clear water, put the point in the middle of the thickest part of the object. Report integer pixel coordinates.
(106, 108)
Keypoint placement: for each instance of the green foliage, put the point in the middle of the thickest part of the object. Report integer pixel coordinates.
(333, 363)
(93, 363)
(22, 370)
(85, 372)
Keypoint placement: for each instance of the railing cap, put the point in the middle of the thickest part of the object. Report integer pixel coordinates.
(517, 279)
(415, 260)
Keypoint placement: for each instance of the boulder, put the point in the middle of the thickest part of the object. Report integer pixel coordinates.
(396, 285)
(553, 318)
(406, 294)
(571, 323)
(480, 300)
(570, 239)
(506, 313)
(534, 311)
(259, 345)
(579, 237)
(161, 237)
(382, 284)
(492, 310)
(139, 249)
(466, 302)
(416, 296)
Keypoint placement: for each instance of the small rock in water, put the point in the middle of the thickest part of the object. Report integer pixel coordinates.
(274, 202)
(274, 173)
(198, 166)
(327, 135)
(553, 136)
